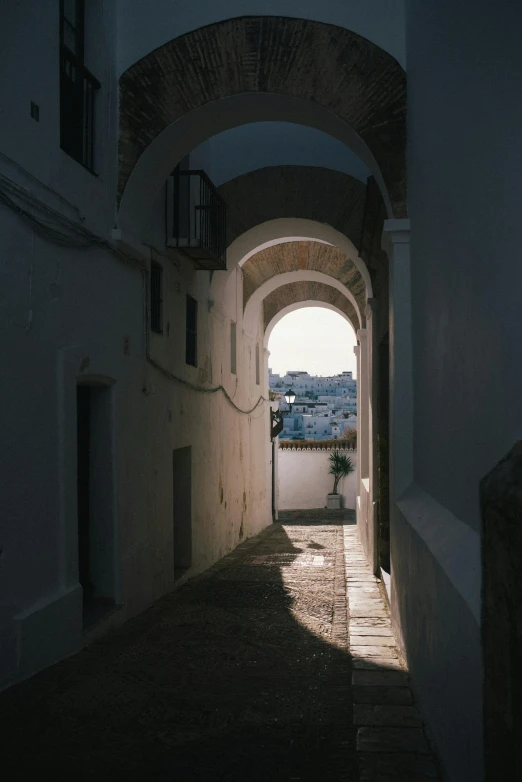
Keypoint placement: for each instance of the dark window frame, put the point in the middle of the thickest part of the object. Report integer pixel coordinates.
(191, 331)
(78, 89)
(78, 29)
(156, 297)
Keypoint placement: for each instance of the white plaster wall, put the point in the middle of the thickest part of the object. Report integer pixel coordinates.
(464, 191)
(29, 62)
(69, 314)
(143, 27)
(466, 279)
(304, 482)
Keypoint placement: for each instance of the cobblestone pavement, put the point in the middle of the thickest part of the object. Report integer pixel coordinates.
(242, 675)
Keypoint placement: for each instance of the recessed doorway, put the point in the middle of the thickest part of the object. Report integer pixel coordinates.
(95, 494)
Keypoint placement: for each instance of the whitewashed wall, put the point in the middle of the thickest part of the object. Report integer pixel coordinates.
(304, 482)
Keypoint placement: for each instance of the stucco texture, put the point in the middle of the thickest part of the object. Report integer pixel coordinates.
(304, 481)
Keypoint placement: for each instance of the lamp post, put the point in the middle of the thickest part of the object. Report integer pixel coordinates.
(290, 397)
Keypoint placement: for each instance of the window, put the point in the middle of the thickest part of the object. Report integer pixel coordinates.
(233, 348)
(191, 352)
(73, 26)
(156, 297)
(77, 86)
(257, 365)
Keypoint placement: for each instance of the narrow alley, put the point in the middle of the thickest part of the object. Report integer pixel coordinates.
(265, 667)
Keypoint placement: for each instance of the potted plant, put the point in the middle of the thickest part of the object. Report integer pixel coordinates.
(340, 466)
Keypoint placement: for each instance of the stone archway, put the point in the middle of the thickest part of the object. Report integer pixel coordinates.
(298, 292)
(335, 293)
(308, 72)
(303, 256)
(303, 192)
(283, 231)
(298, 305)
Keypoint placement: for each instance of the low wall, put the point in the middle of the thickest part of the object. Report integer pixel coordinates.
(303, 479)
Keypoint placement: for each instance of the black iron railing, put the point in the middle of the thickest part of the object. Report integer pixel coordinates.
(78, 88)
(196, 218)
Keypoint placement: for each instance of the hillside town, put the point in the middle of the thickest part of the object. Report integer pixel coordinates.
(323, 409)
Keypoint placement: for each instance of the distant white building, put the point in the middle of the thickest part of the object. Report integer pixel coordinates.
(324, 406)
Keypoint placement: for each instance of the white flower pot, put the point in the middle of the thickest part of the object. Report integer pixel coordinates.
(333, 501)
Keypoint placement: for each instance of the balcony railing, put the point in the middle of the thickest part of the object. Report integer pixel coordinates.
(196, 219)
(77, 94)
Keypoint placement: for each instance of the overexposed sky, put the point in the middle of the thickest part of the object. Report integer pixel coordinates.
(312, 339)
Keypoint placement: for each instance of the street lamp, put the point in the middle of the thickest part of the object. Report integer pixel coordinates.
(290, 398)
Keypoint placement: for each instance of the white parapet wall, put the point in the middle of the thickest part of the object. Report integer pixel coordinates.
(304, 481)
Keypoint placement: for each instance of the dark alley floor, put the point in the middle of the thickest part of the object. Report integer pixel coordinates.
(243, 675)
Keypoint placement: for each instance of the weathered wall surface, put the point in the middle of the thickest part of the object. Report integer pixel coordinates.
(70, 315)
(304, 482)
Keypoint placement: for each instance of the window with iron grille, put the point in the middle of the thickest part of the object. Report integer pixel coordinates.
(191, 351)
(196, 217)
(233, 348)
(77, 86)
(156, 297)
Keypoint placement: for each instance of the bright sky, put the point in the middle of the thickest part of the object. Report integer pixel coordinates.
(312, 339)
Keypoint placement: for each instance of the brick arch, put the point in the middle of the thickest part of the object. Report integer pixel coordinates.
(296, 292)
(305, 256)
(308, 192)
(326, 66)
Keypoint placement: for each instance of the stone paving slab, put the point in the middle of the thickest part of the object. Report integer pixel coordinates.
(362, 631)
(391, 741)
(370, 621)
(387, 767)
(377, 663)
(373, 651)
(381, 678)
(386, 715)
(382, 695)
(375, 639)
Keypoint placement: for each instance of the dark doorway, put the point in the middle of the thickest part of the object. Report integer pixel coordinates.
(182, 509)
(95, 500)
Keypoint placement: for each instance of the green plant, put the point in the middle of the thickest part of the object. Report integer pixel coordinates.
(340, 466)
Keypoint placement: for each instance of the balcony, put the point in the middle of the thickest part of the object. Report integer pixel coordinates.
(196, 219)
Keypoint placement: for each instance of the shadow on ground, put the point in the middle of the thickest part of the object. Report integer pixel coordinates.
(237, 676)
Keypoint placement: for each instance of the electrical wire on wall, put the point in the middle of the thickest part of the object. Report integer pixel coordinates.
(58, 229)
